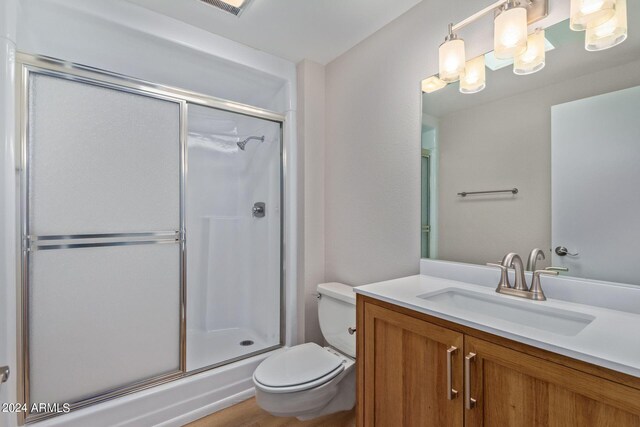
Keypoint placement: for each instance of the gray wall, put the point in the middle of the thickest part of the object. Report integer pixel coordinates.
(311, 140)
(373, 129)
(506, 144)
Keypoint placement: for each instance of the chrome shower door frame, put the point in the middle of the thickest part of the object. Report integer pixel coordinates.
(27, 64)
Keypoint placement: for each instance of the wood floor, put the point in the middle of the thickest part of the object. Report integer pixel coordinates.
(248, 414)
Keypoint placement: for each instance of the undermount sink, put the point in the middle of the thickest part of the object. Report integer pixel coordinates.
(559, 321)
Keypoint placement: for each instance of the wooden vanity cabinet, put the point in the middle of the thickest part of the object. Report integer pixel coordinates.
(512, 388)
(403, 378)
(405, 371)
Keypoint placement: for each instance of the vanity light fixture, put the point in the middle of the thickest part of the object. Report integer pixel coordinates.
(510, 30)
(474, 78)
(510, 24)
(533, 58)
(432, 84)
(611, 33)
(451, 57)
(605, 22)
(590, 13)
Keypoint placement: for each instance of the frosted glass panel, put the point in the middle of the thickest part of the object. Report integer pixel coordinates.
(101, 318)
(102, 160)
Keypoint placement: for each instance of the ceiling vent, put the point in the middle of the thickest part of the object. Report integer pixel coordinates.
(234, 7)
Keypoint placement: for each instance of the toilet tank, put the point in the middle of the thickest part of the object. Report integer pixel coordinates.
(337, 313)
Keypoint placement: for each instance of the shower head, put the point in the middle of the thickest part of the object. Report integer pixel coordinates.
(242, 144)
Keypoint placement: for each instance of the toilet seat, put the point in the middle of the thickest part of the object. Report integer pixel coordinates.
(299, 368)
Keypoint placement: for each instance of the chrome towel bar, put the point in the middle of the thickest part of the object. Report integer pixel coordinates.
(468, 193)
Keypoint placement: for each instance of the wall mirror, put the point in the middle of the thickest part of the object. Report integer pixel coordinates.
(567, 137)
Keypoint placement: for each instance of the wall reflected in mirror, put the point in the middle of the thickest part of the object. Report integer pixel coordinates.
(567, 137)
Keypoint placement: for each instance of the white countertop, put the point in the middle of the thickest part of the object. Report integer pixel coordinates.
(611, 340)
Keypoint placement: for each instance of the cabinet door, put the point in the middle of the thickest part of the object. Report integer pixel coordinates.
(514, 389)
(405, 376)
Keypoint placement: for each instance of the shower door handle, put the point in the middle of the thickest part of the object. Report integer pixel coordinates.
(4, 374)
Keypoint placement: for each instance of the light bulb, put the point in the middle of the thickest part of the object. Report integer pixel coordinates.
(606, 29)
(452, 58)
(432, 84)
(611, 33)
(533, 59)
(591, 6)
(234, 3)
(591, 13)
(474, 78)
(510, 32)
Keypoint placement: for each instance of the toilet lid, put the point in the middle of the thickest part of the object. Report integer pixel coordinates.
(298, 365)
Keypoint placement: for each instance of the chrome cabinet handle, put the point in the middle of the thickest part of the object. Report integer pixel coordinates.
(469, 402)
(562, 251)
(451, 392)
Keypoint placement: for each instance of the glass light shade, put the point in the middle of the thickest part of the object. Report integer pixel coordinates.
(432, 84)
(590, 13)
(474, 78)
(510, 33)
(611, 33)
(452, 59)
(533, 58)
(234, 3)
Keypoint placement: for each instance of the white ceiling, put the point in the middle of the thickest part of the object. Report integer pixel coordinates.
(319, 30)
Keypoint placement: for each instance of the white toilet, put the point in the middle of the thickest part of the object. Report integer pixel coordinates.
(307, 381)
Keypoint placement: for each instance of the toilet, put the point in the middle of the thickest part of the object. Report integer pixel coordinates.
(307, 380)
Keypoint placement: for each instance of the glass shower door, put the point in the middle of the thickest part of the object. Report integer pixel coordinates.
(233, 226)
(101, 239)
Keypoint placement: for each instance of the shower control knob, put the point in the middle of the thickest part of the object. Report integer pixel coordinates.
(258, 209)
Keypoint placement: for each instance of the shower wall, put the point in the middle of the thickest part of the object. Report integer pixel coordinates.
(233, 258)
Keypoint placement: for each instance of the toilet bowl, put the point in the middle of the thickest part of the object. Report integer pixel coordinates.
(307, 380)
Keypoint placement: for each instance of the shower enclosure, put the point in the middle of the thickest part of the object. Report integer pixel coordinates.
(233, 205)
(151, 223)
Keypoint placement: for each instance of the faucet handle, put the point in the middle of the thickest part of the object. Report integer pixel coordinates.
(536, 288)
(558, 269)
(548, 272)
(504, 277)
(497, 265)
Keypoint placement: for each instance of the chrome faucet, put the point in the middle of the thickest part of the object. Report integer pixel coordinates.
(513, 260)
(536, 255)
(520, 289)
